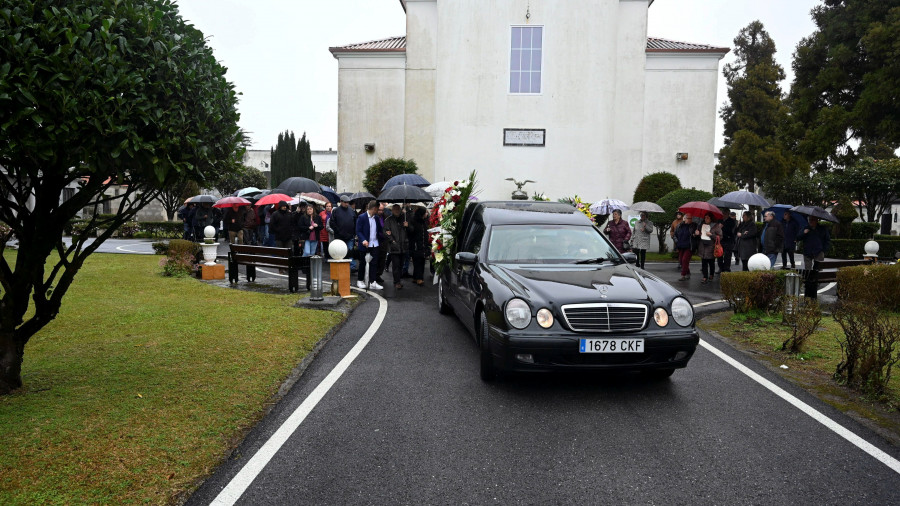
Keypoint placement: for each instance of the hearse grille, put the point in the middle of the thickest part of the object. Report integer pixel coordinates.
(605, 317)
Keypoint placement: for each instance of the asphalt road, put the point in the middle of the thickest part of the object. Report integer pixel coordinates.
(410, 422)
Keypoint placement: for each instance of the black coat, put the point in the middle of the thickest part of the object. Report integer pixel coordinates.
(234, 220)
(281, 224)
(343, 222)
(303, 223)
(728, 231)
(747, 243)
(774, 237)
(418, 237)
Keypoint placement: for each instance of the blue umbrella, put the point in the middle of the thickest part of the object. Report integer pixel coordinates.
(407, 179)
(779, 210)
(330, 194)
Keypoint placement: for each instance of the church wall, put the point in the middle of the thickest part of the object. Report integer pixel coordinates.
(590, 103)
(371, 101)
(421, 59)
(679, 116)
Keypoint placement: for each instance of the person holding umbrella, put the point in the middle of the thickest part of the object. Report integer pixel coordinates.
(369, 233)
(281, 225)
(250, 226)
(683, 238)
(816, 241)
(396, 231)
(309, 224)
(728, 226)
(791, 229)
(234, 224)
(325, 234)
(709, 232)
(203, 217)
(618, 231)
(772, 237)
(343, 223)
(419, 244)
(746, 239)
(642, 230)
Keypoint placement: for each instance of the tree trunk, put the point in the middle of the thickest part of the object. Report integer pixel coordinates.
(171, 214)
(11, 354)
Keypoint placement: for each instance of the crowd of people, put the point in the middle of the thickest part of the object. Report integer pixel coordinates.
(718, 241)
(396, 238)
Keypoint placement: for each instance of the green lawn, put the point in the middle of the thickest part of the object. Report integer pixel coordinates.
(143, 383)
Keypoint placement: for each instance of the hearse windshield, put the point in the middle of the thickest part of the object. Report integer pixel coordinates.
(549, 244)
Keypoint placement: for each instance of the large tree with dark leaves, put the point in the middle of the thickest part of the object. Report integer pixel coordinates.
(847, 80)
(95, 94)
(755, 115)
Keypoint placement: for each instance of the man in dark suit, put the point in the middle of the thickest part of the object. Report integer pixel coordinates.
(369, 235)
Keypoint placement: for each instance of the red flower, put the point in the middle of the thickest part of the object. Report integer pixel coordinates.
(456, 183)
(456, 198)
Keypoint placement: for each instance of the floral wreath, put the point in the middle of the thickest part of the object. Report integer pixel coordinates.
(446, 214)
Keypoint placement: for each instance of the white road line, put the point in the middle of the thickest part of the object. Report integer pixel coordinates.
(124, 248)
(859, 442)
(236, 487)
(709, 303)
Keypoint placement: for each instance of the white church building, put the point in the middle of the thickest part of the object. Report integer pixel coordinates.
(571, 94)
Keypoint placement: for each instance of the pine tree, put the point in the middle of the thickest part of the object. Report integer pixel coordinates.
(756, 117)
(304, 154)
(286, 158)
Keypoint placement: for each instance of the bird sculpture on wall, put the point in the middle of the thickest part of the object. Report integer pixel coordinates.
(518, 194)
(520, 184)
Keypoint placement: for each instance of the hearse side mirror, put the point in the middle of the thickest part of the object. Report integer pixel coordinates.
(467, 258)
(630, 257)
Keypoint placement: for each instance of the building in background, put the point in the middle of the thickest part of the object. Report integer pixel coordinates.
(573, 95)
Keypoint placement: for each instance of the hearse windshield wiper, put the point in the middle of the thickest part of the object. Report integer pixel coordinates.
(598, 260)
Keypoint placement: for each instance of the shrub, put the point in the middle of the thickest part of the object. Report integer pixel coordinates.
(378, 173)
(804, 316)
(128, 229)
(872, 285)
(160, 247)
(181, 257)
(868, 347)
(886, 237)
(655, 186)
(163, 229)
(746, 291)
(855, 248)
(5, 231)
(863, 230)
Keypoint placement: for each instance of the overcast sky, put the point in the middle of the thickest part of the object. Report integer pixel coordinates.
(277, 54)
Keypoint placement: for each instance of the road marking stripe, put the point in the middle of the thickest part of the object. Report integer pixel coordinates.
(236, 487)
(123, 248)
(859, 442)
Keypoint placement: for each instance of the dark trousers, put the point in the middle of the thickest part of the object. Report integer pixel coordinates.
(684, 258)
(372, 267)
(382, 264)
(418, 261)
(744, 264)
(397, 266)
(785, 255)
(708, 267)
(641, 257)
(725, 260)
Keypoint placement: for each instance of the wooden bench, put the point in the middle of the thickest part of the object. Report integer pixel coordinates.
(264, 256)
(825, 271)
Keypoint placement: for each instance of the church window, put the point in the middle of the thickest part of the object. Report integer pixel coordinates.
(525, 62)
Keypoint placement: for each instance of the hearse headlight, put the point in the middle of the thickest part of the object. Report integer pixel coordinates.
(661, 316)
(545, 318)
(518, 313)
(682, 311)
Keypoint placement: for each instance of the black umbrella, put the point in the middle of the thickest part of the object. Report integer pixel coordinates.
(410, 179)
(345, 194)
(295, 185)
(716, 201)
(815, 211)
(199, 199)
(404, 193)
(745, 197)
(362, 196)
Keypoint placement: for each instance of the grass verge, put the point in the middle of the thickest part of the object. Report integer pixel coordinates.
(762, 334)
(143, 383)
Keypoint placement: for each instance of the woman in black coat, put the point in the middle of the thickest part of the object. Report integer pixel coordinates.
(747, 239)
(281, 225)
(309, 223)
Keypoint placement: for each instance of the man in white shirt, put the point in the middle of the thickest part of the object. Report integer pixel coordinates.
(369, 234)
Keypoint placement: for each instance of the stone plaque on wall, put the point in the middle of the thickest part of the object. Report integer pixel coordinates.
(524, 136)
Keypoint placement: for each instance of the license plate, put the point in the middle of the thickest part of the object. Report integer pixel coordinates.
(615, 345)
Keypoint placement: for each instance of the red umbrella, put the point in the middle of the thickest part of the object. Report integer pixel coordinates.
(701, 209)
(230, 201)
(272, 198)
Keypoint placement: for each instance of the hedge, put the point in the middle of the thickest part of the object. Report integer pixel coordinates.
(746, 291)
(858, 229)
(145, 229)
(872, 285)
(851, 249)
